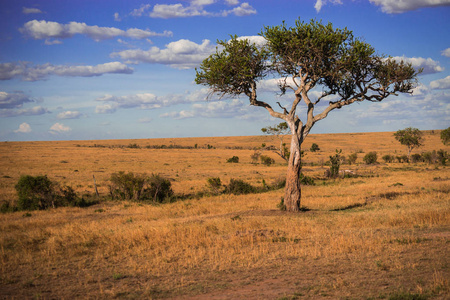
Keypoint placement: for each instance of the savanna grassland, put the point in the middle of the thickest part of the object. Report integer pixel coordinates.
(383, 234)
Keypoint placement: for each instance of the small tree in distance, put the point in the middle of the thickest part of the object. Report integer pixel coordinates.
(279, 131)
(410, 137)
(307, 56)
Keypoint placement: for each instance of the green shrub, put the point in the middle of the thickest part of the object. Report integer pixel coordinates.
(306, 180)
(159, 189)
(335, 164)
(214, 185)
(266, 160)
(233, 159)
(35, 192)
(370, 158)
(415, 158)
(388, 158)
(239, 187)
(127, 186)
(255, 157)
(442, 156)
(314, 147)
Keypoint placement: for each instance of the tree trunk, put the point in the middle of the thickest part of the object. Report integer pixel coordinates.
(292, 193)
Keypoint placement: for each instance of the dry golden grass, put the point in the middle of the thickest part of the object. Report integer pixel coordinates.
(363, 238)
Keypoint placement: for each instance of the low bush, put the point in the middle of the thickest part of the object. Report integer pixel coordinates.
(214, 185)
(388, 158)
(239, 187)
(352, 158)
(39, 192)
(314, 147)
(415, 158)
(159, 189)
(255, 157)
(266, 160)
(370, 158)
(234, 159)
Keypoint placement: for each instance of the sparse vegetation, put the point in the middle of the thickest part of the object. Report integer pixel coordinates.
(371, 158)
(221, 244)
(234, 159)
(267, 160)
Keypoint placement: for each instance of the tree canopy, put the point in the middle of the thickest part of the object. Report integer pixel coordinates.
(410, 137)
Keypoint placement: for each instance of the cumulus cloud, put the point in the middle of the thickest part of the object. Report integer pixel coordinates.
(31, 10)
(59, 128)
(446, 52)
(52, 30)
(23, 128)
(255, 39)
(182, 54)
(396, 6)
(321, 3)
(117, 17)
(35, 111)
(69, 115)
(196, 8)
(29, 72)
(141, 10)
(441, 84)
(13, 100)
(429, 65)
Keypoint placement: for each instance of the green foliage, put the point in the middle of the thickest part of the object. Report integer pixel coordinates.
(409, 137)
(280, 129)
(314, 147)
(335, 164)
(214, 185)
(239, 187)
(127, 186)
(370, 158)
(402, 158)
(388, 158)
(233, 159)
(415, 158)
(35, 192)
(266, 160)
(39, 192)
(442, 156)
(445, 136)
(159, 189)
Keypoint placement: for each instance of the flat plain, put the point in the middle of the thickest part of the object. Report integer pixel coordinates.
(381, 234)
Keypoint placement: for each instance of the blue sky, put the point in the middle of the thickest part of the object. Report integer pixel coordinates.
(91, 69)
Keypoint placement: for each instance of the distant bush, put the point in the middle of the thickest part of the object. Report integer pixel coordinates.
(35, 192)
(127, 186)
(239, 187)
(314, 147)
(415, 158)
(214, 185)
(335, 164)
(442, 156)
(388, 158)
(402, 158)
(39, 192)
(370, 158)
(266, 160)
(159, 189)
(234, 159)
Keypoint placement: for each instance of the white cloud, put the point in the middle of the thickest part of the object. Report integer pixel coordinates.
(59, 128)
(23, 128)
(13, 100)
(53, 30)
(29, 72)
(145, 120)
(441, 84)
(37, 110)
(254, 39)
(117, 17)
(446, 52)
(31, 10)
(182, 54)
(401, 6)
(321, 3)
(141, 10)
(196, 8)
(69, 115)
(429, 65)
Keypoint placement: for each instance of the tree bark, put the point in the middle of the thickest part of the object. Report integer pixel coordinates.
(292, 193)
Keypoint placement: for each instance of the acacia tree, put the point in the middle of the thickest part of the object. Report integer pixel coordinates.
(279, 131)
(309, 55)
(410, 137)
